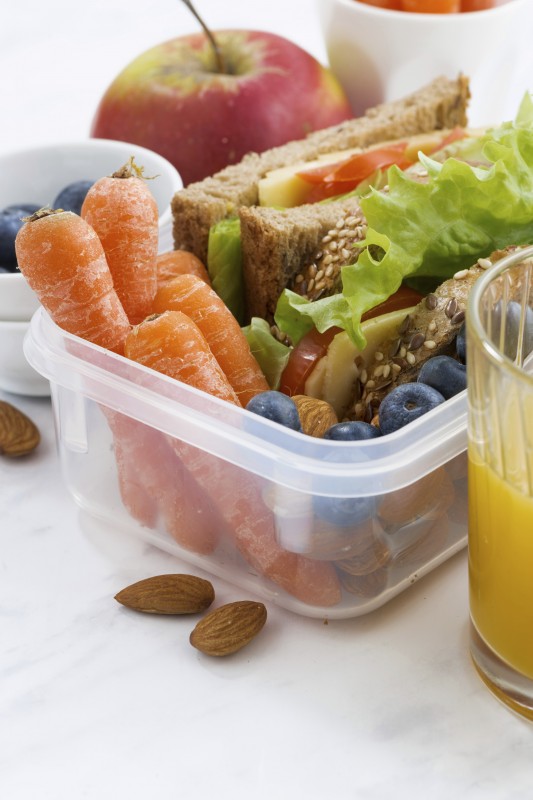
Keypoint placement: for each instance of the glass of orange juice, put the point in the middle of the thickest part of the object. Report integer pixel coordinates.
(500, 481)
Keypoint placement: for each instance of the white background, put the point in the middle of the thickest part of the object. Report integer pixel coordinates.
(99, 703)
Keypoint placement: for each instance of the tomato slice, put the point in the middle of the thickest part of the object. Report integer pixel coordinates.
(454, 136)
(303, 359)
(314, 345)
(345, 175)
(403, 298)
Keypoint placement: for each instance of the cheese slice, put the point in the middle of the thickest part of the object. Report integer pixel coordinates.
(283, 188)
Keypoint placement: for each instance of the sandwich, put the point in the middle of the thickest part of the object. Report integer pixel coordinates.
(447, 197)
(277, 244)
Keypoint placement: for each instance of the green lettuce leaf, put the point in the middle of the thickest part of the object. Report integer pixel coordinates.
(271, 355)
(224, 264)
(429, 231)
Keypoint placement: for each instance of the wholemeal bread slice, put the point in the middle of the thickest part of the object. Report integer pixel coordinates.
(439, 105)
(286, 248)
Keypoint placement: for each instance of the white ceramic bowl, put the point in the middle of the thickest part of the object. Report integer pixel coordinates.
(16, 375)
(17, 301)
(37, 175)
(380, 55)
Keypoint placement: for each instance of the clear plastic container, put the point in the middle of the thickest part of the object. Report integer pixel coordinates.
(322, 528)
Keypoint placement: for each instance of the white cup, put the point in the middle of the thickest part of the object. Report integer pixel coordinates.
(380, 55)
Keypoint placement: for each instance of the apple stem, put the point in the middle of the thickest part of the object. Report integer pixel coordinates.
(221, 68)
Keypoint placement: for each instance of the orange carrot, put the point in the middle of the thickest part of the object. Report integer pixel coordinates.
(169, 343)
(136, 498)
(151, 472)
(179, 262)
(123, 212)
(194, 297)
(63, 261)
(238, 496)
(172, 344)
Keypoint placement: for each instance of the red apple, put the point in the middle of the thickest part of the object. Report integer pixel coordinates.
(171, 99)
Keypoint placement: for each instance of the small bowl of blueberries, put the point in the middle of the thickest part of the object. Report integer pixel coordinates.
(58, 176)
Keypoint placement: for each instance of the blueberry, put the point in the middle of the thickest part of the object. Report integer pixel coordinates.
(345, 512)
(10, 224)
(352, 431)
(405, 403)
(276, 406)
(444, 374)
(72, 196)
(460, 343)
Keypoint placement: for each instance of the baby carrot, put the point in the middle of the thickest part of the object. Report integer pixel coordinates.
(179, 262)
(63, 261)
(123, 212)
(172, 344)
(153, 482)
(136, 498)
(477, 5)
(192, 296)
(394, 5)
(432, 6)
(238, 497)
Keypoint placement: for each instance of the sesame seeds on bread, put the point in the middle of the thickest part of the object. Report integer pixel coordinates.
(276, 244)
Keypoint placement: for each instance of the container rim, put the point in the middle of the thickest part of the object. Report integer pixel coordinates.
(240, 437)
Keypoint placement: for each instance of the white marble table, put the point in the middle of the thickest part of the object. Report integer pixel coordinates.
(97, 702)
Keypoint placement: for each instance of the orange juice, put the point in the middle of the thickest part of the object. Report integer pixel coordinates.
(501, 566)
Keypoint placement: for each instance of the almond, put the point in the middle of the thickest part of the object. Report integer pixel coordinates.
(18, 434)
(168, 594)
(365, 586)
(425, 499)
(228, 628)
(315, 415)
(375, 555)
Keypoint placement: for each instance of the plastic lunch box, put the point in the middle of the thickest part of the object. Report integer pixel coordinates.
(325, 529)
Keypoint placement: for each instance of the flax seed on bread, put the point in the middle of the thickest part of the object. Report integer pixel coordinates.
(430, 329)
(439, 105)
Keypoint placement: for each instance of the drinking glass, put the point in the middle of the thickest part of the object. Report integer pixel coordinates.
(500, 480)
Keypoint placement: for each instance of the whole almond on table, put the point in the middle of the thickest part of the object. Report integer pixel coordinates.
(228, 628)
(168, 594)
(18, 434)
